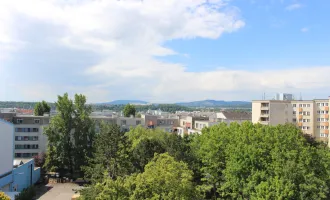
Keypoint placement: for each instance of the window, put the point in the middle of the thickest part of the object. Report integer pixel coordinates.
(326, 112)
(318, 119)
(308, 105)
(300, 105)
(300, 120)
(318, 104)
(306, 120)
(300, 113)
(18, 155)
(294, 112)
(37, 121)
(322, 127)
(19, 121)
(318, 127)
(304, 105)
(171, 122)
(35, 130)
(322, 104)
(326, 104)
(294, 105)
(183, 122)
(294, 120)
(322, 135)
(318, 112)
(138, 122)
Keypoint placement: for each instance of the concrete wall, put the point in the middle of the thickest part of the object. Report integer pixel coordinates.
(279, 113)
(256, 109)
(6, 147)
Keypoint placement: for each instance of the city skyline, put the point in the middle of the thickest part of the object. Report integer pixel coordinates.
(169, 51)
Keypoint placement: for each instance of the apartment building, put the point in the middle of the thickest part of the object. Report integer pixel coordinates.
(311, 116)
(29, 137)
(166, 123)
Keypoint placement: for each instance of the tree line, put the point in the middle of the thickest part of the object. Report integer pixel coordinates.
(236, 161)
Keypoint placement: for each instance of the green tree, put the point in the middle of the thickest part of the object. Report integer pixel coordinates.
(129, 110)
(3, 196)
(41, 108)
(70, 135)
(251, 161)
(164, 178)
(111, 154)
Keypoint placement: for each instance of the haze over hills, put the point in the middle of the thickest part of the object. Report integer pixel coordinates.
(123, 102)
(214, 103)
(204, 103)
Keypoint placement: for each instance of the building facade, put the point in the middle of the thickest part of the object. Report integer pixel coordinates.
(311, 116)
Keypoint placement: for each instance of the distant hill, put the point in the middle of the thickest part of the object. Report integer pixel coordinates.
(124, 102)
(215, 103)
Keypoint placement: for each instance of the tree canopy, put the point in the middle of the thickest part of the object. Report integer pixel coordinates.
(41, 108)
(70, 135)
(129, 110)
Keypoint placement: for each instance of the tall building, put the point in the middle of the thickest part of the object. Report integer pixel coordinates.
(311, 116)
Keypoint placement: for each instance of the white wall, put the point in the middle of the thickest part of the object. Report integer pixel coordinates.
(6, 147)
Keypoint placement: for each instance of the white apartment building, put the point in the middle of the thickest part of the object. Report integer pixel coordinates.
(311, 116)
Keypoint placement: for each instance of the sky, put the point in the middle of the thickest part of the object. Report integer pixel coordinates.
(164, 51)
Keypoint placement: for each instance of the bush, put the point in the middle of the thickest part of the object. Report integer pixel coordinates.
(3, 196)
(26, 194)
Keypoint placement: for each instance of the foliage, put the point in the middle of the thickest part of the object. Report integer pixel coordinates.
(129, 110)
(3, 196)
(111, 154)
(27, 194)
(70, 135)
(39, 160)
(163, 178)
(41, 108)
(262, 162)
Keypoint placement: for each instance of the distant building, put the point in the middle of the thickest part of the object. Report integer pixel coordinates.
(311, 116)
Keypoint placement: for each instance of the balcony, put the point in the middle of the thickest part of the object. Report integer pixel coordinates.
(300, 117)
(325, 124)
(326, 131)
(326, 108)
(300, 109)
(264, 122)
(264, 107)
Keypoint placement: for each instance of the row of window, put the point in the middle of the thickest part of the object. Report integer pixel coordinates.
(322, 119)
(302, 105)
(25, 155)
(322, 112)
(26, 146)
(309, 105)
(26, 138)
(137, 122)
(164, 122)
(322, 104)
(304, 127)
(308, 113)
(323, 135)
(323, 127)
(20, 121)
(26, 129)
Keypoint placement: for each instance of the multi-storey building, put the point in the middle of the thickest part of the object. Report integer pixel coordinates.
(311, 116)
(29, 137)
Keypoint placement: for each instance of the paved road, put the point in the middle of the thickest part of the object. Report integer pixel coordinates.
(58, 191)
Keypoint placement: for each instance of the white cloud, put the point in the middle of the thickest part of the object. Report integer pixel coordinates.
(126, 36)
(294, 6)
(304, 30)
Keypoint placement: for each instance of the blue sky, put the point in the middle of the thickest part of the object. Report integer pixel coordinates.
(164, 51)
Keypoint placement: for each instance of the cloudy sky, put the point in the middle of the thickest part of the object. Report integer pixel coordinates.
(164, 51)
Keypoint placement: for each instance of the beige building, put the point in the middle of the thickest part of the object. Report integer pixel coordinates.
(311, 116)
